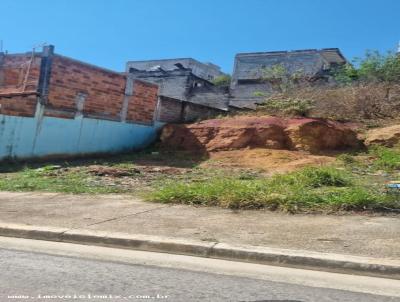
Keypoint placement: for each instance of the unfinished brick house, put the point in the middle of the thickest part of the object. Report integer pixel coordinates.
(51, 105)
(185, 88)
(247, 77)
(206, 71)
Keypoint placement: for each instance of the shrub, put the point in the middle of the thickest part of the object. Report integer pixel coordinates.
(281, 78)
(373, 67)
(289, 106)
(345, 74)
(223, 80)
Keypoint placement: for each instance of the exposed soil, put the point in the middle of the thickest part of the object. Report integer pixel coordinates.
(266, 161)
(387, 136)
(301, 134)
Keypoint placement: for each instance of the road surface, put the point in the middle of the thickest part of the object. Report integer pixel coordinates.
(46, 271)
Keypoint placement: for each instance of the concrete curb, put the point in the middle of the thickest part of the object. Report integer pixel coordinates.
(388, 268)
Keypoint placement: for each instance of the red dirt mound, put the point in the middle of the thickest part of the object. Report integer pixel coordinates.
(268, 132)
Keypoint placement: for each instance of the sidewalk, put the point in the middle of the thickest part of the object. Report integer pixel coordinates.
(355, 235)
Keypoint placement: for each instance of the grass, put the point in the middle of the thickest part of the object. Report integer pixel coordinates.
(387, 159)
(309, 189)
(77, 176)
(41, 179)
(354, 183)
(380, 159)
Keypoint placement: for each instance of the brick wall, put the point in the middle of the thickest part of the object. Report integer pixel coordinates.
(13, 70)
(18, 105)
(74, 88)
(101, 91)
(142, 103)
(19, 84)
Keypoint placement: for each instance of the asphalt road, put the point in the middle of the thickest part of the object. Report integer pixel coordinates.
(36, 274)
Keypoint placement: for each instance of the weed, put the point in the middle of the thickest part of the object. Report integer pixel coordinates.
(387, 159)
(288, 106)
(347, 159)
(309, 189)
(39, 180)
(223, 80)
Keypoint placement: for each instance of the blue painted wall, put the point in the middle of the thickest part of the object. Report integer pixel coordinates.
(24, 137)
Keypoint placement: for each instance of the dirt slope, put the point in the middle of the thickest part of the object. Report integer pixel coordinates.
(265, 160)
(387, 136)
(267, 132)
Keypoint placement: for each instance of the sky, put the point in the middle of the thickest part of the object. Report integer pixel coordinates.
(109, 33)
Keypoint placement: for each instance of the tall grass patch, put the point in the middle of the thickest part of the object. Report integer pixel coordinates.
(310, 189)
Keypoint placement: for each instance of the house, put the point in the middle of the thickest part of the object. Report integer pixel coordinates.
(186, 92)
(206, 71)
(249, 68)
(53, 105)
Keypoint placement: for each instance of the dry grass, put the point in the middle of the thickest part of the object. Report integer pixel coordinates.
(372, 104)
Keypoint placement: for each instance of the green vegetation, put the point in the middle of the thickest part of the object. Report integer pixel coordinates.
(43, 179)
(373, 67)
(347, 159)
(387, 159)
(281, 78)
(380, 158)
(288, 106)
(366, 90)
(223, 80)
(283, 81)
(355, 182)
(310, 189)
(125, 173)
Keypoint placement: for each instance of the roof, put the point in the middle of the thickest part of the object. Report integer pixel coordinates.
(251, 66)
(298, 51)
(168, 63)
(160, 73)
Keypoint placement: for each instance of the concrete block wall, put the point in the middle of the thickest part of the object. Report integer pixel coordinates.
(173, 84)
(176, 111)
(193, 112)
(207, 71)
(170, 110)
